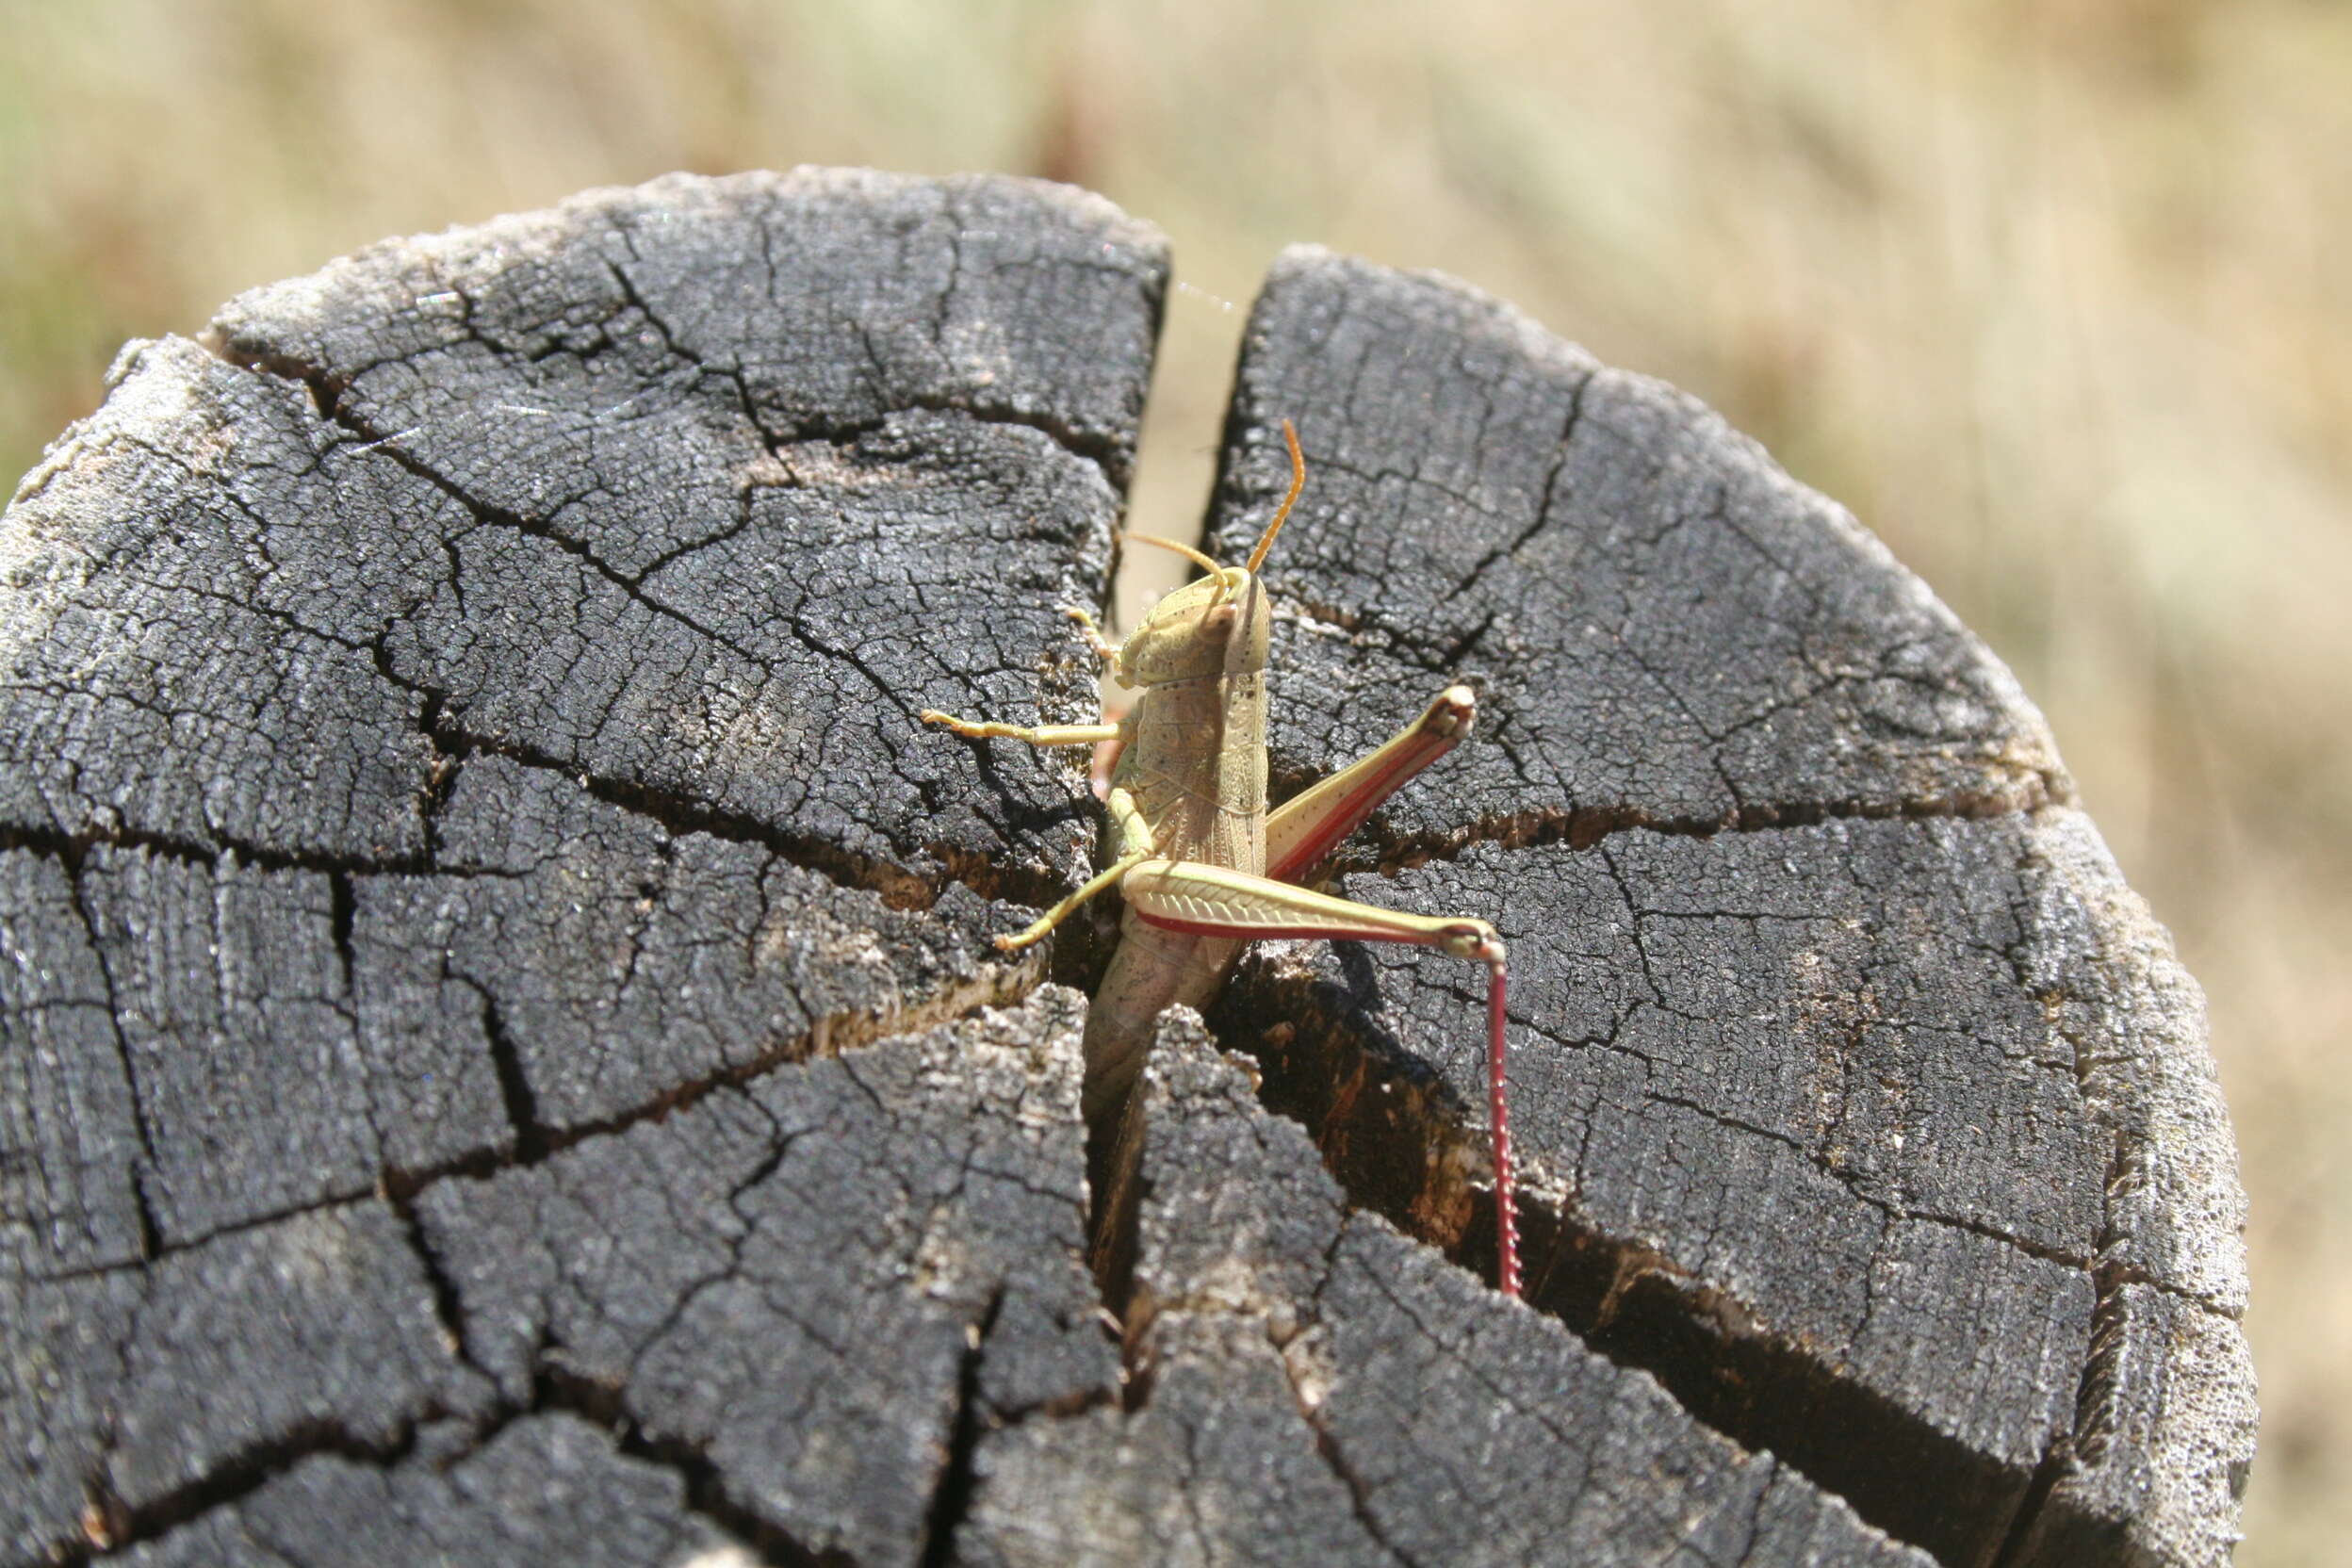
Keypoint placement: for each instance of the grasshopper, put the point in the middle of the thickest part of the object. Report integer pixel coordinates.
(1201, 864)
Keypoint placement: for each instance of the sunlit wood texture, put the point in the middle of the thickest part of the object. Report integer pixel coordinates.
(505, 1061)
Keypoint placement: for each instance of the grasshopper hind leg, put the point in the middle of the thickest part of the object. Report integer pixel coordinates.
(1310, 826)
(1191, 899)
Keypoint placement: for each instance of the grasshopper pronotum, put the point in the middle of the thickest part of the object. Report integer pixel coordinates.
(1202, 866)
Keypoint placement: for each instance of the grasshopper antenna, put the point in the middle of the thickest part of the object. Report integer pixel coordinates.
(1297, 482)
(1222, 574)
(1185, 551)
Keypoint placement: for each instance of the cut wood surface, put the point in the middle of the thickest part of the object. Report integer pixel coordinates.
(501, 1058)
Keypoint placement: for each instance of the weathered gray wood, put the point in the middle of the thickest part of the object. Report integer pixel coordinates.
(1294, 1357)
(140, 1393)
(501, 1057)
(1673, 631)
(812, 1281)
(1862, 1102)
(470, 707)
(544, 1489)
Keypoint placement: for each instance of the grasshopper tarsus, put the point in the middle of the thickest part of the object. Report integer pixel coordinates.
(1102, 645)
(1498, 1111)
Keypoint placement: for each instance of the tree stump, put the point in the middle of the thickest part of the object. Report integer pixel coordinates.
(505, 1062)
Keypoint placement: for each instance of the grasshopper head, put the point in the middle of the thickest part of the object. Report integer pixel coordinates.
(1216, 624)
(1212, 625)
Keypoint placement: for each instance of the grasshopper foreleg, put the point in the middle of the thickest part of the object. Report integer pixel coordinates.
(1102, 645)
(1032, 734)
(1134, 835)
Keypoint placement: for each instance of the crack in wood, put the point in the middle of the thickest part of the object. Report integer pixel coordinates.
(1398, 1147)
(1586, 826)
(111, 1525)
(705, 1488)
(951, 1496)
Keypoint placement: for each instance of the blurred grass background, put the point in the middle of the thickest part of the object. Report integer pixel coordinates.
(2054, 295)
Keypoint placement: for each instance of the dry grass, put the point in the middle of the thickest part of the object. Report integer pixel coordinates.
(2054, 295)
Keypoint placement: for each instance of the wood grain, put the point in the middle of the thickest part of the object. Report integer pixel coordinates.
(503, 1057)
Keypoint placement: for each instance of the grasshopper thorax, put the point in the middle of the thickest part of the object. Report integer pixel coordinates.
(1213, 625)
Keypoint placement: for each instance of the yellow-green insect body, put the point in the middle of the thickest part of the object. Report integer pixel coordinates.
(1202, 866)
